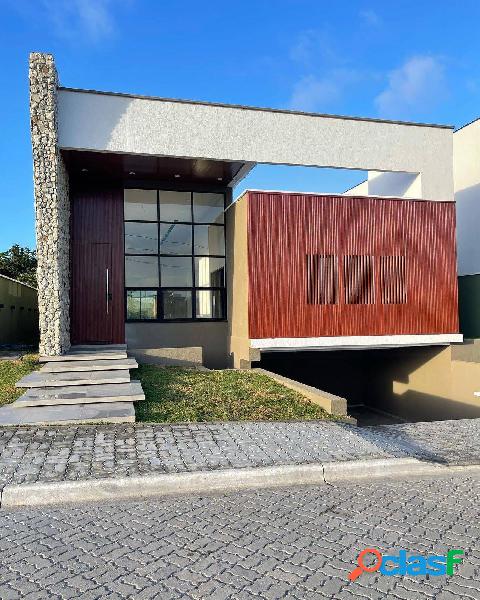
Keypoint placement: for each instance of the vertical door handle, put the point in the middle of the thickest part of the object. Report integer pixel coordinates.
(107, 290)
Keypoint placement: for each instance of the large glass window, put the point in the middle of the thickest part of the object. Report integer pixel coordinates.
(141, 271)
(176, 206)
(176, 271)
(208, 208)
(177, 304)
(175, 239)
(140, 205)
(209, 239)
(141, 238)
(141, 304)
(209, 304)
(175, 244)
(209, 271)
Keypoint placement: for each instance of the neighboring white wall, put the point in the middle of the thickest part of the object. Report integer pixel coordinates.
(399, 185)
(466, 170)
(359, 190)
(115, 123)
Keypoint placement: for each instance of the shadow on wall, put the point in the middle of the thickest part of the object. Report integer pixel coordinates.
(417, 384)
(90, 133)
(401, 185)
(418, 406)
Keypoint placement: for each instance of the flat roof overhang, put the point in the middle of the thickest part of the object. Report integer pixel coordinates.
(87, 165)
(365, 342)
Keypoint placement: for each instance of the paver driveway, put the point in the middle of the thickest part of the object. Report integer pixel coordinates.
(286, 543)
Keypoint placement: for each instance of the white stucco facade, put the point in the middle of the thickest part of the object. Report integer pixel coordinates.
(124, 124)
(466, 169)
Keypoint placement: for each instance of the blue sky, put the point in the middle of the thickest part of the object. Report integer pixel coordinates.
(412, 60)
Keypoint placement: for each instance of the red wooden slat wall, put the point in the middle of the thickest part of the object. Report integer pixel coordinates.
(284, 228)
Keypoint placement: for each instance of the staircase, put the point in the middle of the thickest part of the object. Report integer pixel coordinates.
(89, 384)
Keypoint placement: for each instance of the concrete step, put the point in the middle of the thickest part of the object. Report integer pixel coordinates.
(113, 412)
(81, 394)
(89, 365)
(37, 379)
(70, 356)
(97, 347)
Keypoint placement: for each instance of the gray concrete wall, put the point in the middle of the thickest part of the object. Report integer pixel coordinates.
(212, 337)
(18, 313)
(135, 125)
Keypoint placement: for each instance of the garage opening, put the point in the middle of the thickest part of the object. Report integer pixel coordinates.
(385, 386)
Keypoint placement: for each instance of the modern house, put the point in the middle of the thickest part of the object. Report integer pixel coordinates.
(139, 241)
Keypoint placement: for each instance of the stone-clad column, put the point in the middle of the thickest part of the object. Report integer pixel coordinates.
(52, 208)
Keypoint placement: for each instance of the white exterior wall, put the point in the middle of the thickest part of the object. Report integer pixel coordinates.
(115, 123)
(398, 185)
(359, 190)
(466, 169)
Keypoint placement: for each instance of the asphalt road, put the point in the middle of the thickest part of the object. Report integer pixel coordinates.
(297, 543)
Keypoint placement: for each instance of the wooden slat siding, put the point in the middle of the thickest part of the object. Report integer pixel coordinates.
(285, 228)
(392, 279)
(358, 278)
(321, 274)
(97, 216)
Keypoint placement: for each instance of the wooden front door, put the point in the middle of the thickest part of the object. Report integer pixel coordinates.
(92, 307)
(97, 288)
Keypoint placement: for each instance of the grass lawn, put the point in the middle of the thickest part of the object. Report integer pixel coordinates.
(175, 394)
(10, 372)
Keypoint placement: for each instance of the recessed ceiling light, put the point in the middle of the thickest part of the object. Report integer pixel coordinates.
(219, 178)
(177, 175)
(131, 173)
(84, 170)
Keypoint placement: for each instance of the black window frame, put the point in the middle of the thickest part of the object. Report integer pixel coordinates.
(194, 288)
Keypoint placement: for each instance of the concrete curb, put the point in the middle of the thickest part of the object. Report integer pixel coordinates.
(379, 468)
(147, 486)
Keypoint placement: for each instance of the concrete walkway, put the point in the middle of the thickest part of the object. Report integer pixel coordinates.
(78, 453)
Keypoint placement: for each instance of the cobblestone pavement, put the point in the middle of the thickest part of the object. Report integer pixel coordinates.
(30, 454)
(298, 544)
